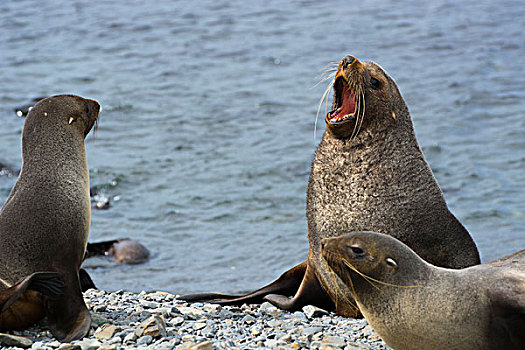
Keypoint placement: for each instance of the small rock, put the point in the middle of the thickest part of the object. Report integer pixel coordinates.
(108, 347)
(203, 346)
(88, 344)
(248, 319)
(106, 332)
(54, 344)
(145, 340)
(300, 316)
(212, 308)
(68, 346)
(153, 326)
(308, 331)
(198, 325)
(185, 346)
(149, 304)
(97, 320)
(312, 311)
(38, 345)
(188, 310)
(334, 341)
(130, 338)
(268, 308)
(13, 340)
(177, 321)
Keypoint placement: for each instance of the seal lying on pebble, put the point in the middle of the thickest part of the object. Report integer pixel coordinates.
(412, 304)
(44, 224)
(368, 173)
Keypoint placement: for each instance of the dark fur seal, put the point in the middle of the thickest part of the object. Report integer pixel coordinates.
(44, 224)
(412, 304)
(368, 173)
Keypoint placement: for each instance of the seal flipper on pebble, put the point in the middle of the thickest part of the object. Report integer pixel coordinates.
(309, 292)
(69, 319)
(286, 285)
(46, 283)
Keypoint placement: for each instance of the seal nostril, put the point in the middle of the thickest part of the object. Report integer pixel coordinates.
(348, 60)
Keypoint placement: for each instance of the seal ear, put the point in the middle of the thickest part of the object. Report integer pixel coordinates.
(391, 262)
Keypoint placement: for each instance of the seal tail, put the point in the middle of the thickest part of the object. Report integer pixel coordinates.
(49, 284)
(68, 316)
(287, 284)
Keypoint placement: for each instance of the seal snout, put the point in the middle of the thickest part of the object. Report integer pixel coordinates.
(93, 107)
(347, 60)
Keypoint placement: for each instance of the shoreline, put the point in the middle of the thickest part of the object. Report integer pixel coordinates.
(157, 320)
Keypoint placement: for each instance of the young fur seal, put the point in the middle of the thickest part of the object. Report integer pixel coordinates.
(44, 224)
(124, 250)
(368, 173)
(412, 304)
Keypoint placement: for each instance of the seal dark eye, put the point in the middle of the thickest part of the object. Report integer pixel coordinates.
(376, 84)
(357, 250)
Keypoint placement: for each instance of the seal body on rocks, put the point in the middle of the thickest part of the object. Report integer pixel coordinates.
(412, 304)
(368, 173)
(44, 224)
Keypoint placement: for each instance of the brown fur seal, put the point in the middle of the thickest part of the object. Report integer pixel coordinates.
(412, 304)
(368, 173)
(125, 250)
(44, 224)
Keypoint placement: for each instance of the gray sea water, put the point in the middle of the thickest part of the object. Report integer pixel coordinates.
(206, 133)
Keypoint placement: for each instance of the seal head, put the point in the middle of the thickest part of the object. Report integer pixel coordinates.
(414, 305)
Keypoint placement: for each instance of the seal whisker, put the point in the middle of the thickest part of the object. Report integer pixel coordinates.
(341, 293)
(358, 103)
(371, 279)
(367, 278)
(362, 101)
(323, 99)
(325, 77)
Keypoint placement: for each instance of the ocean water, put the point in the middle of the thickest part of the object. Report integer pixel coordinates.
(208, 109)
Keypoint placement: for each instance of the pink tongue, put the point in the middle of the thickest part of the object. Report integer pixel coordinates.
(348, 106)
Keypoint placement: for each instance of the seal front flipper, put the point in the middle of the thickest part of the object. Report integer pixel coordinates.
(69, 318)
(310, 292)
(287, 284)
(507, 321)
(85, 280)
(47, 283)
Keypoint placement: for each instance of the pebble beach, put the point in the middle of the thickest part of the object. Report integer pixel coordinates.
(158, 320)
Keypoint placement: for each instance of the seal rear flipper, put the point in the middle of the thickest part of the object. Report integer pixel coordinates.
(85, 281)
(48, 283)
(310, 292)
(68, 316)
(286, 284)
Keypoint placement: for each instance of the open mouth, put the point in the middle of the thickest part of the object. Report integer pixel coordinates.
(345, 104)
